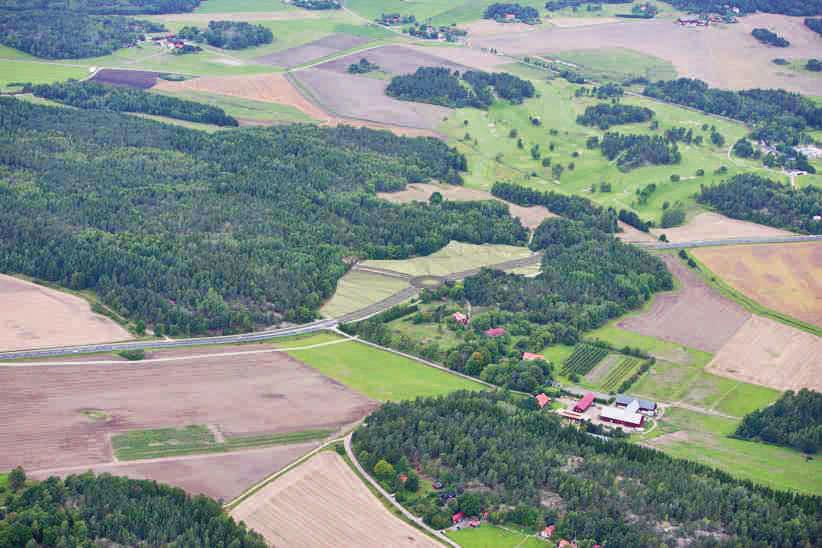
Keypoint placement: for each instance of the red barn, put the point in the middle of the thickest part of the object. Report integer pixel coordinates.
(528, 356)
(495, 332)
(583, 404)
(458, 517)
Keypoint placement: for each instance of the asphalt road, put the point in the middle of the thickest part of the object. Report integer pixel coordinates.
(729, 241)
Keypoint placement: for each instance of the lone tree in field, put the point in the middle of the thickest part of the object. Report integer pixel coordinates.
(17, 479)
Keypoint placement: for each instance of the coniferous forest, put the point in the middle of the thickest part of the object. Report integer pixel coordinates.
(191, 231)
(794, 420)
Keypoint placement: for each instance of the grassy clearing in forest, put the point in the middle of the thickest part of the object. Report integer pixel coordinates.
(358, 289)
(455, 257)
(23, 71)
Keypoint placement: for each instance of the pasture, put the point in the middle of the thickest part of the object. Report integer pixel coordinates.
(783, 277)
(14, 71)
(455, 257)
(358, 289)
(491, 536)
(617, 64)
(33, 316)
(379, 374)
(322, 502)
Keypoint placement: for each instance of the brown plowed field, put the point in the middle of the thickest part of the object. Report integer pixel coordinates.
(33, 316)
(323, 503)
(783, 277)
(140, 79)
(393, 59)
(695, 315)
(300, 55)
(420, 192)
(771, 354)
(44, 426)
(223, 476)
(711, 226)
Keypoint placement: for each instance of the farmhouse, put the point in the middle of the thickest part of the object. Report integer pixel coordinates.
(542, 400)
(645, 406)
(495, 332)
(548, 532)
(584, 403)
(460, 318)
(458, 517)
(626, 416)
(527, 356)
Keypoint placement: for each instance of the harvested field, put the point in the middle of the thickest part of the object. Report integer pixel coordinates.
(571, 22)
(712, 226)
(455, 257)
(223, 476)
(237, 16)
(783, 277)
(359, 289)
(392, 59)
(489, 27)
(695, 315)
(632, 235)
(725, 56)
(421, 192)
(34, 316)
(364, 98)
(322, 502)
(328, 45)
(240, 394)
(769, 353)
(468, 57)
(139, 79)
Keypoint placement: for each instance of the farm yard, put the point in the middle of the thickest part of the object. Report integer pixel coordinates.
(33, 315)
(322, 502)
(783, 277)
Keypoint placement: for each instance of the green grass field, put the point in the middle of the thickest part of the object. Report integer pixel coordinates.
(425, 332)
(358, 289)
(455, 257)
(442, 12)
(379, 374)
(617, 64)
(494, 156)
(704, 439)
(234, 6)
(26, 70)
(491, 536)
(195, 439)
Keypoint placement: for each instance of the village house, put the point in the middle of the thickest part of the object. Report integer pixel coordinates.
(542, 400)
(460, 318)
(548, 532)
(495, 332)
(527, 356)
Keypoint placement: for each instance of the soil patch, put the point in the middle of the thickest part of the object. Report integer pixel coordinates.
(695, 315)
(530, 217)
(489, 27)
(713, 226)
(33, 316)
(300, 55)
(139, 79)
(230, 392)
(323, 503)
(632, 235)
(392, 59)
(768, 353)
(783, 277)
(599, 372)
(223, 476)
(572, 22)
(237, 16)
(364, 98)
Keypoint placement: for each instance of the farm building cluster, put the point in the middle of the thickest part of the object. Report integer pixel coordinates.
(626, 411)
(175, 44)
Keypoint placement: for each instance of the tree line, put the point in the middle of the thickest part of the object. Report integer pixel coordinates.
(96, 96)
(526, 14)
(228, 34)
(193, 232)
(784, 7)
(754, 198)
(441, 86)
(794, 420)
(104, 7)
(632, 151)
(814, 24)
(88, 510)
(605, 115)
(769, 37)
(525, 468)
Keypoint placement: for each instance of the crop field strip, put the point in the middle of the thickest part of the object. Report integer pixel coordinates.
(620, 372)
(584, 359)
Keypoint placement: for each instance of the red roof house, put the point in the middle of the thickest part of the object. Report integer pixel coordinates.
(583, 404)
(460, 318)
(474, 523)
(542, 400)
(548, 532)
(528, 356)
(495, 332)
(458, 517)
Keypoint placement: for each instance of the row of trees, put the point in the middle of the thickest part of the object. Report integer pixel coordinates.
(229, 34)
(95, 96)
(85, 510)
(441, 86)
(191, 232)
(769, 37)
(500, 12)
(104, 7)
(605, 115)
(754, 198)
(794, 420)
(785, 7)
(611, 493)
(70, 35)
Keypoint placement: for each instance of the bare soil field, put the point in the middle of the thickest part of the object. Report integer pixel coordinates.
(393, 59)
(725, 56)
(572, 22)
(140, 79)
(632, 235)
(769, 353)
(489, 27)
(33, 316)
(783, 277)
(695, 315)
(222, 476)
(530, 217)
(322, 502)
(469, 57)
(328, 45)
(364, 98)
(710, 226)
(240, 394)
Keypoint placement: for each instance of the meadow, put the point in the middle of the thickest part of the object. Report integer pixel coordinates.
(378, 374)
(247, 109)
(616, 64)
(358, 289)
(491, 536)
(455, 257)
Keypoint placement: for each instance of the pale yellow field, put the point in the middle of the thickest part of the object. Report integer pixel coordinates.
(359, 289)
(455, 257)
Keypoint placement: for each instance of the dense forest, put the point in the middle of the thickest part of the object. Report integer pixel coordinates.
(527, 469)
(814, 24)
(785, 7)
(499, 12)
(633, 151)
(317, 4)
(104, 7)
(70, 35)
(771, 38)
(794, 420)
(555, 5)
(85, 510)
(605, 115)
(753, 198)
(229, 34)
(95, 96)
(441, 86)
(191, 231)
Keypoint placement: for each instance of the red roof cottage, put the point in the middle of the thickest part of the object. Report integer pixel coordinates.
(495, 332)
(458, 517)
(527, 356)
(542, 400)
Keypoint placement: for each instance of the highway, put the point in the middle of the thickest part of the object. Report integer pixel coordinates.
(730, 241)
